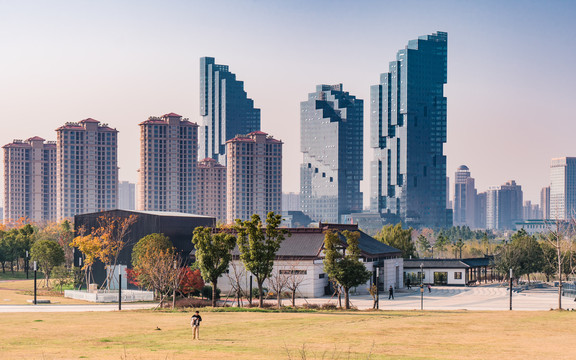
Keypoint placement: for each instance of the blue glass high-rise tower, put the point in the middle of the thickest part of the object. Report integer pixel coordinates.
(408, 132)
(331, 128)
(225, 108)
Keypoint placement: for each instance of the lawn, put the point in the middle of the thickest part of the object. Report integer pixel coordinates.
(328, 335)
(19, 291)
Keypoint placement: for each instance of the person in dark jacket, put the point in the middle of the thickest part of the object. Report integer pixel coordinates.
(391, 293)
(195, 323)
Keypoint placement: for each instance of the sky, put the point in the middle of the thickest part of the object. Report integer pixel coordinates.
(510, 70)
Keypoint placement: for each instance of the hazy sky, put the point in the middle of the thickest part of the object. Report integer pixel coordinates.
(511, 78)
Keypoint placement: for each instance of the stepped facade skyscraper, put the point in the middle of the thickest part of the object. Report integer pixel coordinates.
(408, 132)
(331, 138)
(225, 108)
(168, 159)
(30, 180)
(86, 168)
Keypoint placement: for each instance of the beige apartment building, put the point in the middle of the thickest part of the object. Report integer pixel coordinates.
(168, 161)
(87, 168)
(30, 180)
(253, 176)
(211, 189)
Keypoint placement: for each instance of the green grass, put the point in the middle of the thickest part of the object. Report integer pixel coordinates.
(281, 335)
(19, 275)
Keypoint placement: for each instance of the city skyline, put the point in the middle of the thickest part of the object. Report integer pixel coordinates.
(60, 75)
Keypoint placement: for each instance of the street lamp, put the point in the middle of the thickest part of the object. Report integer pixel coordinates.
(377, 288)
(26, 264)
(421, 286)
(510, 288)
(35, 270)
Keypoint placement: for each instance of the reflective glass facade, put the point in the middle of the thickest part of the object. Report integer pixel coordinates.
(225, 108)
(331, 128)
(408, 132)
(563, 188)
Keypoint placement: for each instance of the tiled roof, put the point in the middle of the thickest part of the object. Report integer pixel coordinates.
(36, 138)
(447, 263)
(258, 132)
(89, 120)
(171, 115)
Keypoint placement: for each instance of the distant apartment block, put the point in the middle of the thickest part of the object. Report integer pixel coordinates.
(30, 180)
(531, 211)
(290, 201)
(504, 206)
(408, 132)
(126, 195)
(211, 189)
(563, 188)
(331, 133)
(464, 198)
(168, 160)
(253, 176)
(225, 108)
(545, 202)
(87, 168)
(480, 213)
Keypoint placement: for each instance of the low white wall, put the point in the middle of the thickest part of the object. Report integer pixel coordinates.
(106, 297)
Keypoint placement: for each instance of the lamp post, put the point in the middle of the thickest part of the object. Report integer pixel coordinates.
(510, 288)
(35, 272)
(119, 290)
(421, 286)
(26, 264)
(377, 288)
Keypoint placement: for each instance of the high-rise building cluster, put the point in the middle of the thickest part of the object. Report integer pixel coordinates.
(226, 167)
(78, 173)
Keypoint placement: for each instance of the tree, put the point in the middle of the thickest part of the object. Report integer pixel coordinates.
(258, 246)
(151, 242)
(191, 281)
(423, 244)
(236, 276)
(341, 262)
(47, 254)
(522, 254)
(159, 271)
(441, 243)
(277, 282)
(65, 237)
(398, 238)
(458, 245)
(62, 276)
(104, 243)
(296, 277)
(142, 265)
(213, 254)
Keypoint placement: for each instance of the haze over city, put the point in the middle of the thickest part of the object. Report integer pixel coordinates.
(509, 86)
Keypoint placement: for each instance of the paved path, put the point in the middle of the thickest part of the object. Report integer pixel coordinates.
(71, 308)
(488, 297)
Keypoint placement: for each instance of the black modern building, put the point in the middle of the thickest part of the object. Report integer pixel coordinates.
(179, 227)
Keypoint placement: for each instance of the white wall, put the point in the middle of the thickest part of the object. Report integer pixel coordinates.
(429, 275)
(315, 280)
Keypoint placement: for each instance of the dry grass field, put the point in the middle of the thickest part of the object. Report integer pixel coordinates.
(17, 292)
(328, 335)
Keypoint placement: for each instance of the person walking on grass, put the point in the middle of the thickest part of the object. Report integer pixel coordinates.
(195, 323)
(391, 293)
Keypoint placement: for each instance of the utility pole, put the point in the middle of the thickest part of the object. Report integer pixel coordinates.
(377, 288)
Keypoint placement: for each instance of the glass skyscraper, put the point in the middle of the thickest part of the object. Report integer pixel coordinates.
(225, 108)
(563, 188)
(408, 132)
(331, 137)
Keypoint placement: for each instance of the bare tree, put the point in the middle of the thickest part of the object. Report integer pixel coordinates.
(296, 278)
(560, 239)
(277, 282)
(236, 276)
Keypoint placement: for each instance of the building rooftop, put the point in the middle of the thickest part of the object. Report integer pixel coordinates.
(171, 115)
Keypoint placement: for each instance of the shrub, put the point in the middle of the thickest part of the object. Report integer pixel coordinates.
(255, 293)
(207, 292)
